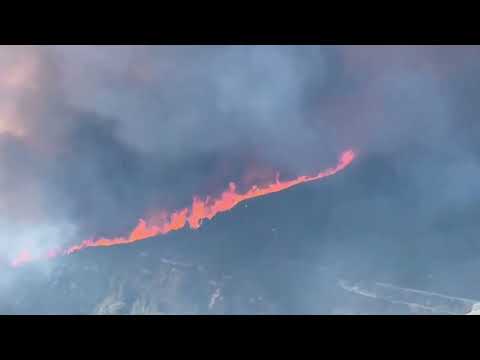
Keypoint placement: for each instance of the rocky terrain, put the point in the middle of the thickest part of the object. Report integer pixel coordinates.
(307, 250)
(168, 287)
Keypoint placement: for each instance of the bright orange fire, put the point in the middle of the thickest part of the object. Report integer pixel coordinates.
(199, 211)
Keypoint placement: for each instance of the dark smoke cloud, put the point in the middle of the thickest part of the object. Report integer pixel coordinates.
(95, 137)
(123, 128)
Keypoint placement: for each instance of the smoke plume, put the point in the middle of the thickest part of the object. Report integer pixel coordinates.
(92, 138)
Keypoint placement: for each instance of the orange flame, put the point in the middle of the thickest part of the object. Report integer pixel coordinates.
(200, 210)
(22, 259)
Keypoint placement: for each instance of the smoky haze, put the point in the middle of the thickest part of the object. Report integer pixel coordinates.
(92, 138)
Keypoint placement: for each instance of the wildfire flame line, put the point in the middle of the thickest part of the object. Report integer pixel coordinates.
(201, 209)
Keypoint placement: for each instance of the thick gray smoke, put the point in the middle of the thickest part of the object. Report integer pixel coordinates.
(107, 133)
(94, 137)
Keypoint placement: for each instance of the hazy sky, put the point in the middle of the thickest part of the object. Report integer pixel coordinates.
(94, 137)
